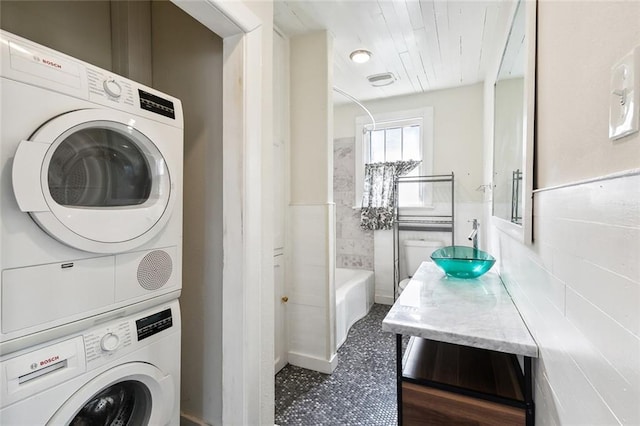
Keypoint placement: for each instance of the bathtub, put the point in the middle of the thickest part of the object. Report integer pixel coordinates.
(354, 298)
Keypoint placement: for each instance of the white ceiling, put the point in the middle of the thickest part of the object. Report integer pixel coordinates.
(426, 44)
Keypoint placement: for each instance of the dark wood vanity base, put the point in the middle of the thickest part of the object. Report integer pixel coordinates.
(445, 384)
(423, 405)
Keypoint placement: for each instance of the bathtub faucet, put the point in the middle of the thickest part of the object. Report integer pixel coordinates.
(473, 236)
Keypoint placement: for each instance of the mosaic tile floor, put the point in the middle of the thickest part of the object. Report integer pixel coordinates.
(361, 391)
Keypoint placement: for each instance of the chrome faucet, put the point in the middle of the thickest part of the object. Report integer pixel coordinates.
(473, 236)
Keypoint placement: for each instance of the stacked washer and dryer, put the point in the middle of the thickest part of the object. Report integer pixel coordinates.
(90, 243)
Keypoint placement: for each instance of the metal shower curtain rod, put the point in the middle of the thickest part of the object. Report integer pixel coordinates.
(348, 96)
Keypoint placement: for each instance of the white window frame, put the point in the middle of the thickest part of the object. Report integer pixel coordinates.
(395, 119)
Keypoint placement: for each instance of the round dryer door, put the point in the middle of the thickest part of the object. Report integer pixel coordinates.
(95, 180)
(128, 395)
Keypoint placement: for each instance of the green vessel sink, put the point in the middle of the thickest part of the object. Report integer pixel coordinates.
(463, 261)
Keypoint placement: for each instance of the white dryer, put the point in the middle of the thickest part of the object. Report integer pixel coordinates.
(124, 372)
(91, 193)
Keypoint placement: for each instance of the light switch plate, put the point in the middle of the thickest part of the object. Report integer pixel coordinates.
(624, 104)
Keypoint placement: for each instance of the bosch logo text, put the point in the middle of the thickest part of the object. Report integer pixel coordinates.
(51, 63)
(49, 360)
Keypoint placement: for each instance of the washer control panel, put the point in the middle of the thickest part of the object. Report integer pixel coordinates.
(109, 342)
(122, 338)
(119, 337)
(152, 324)
(102, 343)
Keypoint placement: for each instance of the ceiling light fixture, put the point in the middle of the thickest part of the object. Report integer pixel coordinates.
(360, 56)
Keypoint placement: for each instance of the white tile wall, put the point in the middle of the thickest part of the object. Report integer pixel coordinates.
(464, 212)
(311, 305)
(354, 246)
(383, 245)
(383, 258)
(305, 323)
(308, 285)
(578, 289)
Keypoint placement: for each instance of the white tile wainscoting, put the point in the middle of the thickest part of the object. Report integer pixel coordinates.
(310, 287)
(578, 289)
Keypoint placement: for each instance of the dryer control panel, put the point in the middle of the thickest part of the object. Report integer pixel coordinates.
(109, 86)
(31, 63)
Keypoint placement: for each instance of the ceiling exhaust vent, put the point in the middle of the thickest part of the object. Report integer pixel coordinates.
(379, 80)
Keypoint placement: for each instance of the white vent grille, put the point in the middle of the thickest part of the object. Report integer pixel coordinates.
(384, 79)
(155, 270)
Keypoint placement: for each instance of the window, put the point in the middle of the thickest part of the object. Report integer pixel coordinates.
(405, 135)
(394, 141)
(393, 144)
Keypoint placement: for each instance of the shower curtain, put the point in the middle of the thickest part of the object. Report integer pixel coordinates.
(378, 196)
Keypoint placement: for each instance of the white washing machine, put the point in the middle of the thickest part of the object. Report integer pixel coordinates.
(123, 372)
(91, 193)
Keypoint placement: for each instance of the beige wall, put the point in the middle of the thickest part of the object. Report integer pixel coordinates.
(81, 29)
(311, 117)
(578, 285)
(131, 40)
(114, 35)
(457, 122)
(187, 63)
(579, 42)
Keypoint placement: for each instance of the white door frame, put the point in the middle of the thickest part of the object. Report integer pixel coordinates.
(246, 384)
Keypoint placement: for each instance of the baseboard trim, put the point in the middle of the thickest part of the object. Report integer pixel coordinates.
(189, 420)
(384, 300)
(313, 363)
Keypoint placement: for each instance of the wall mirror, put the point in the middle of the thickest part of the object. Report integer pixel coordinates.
(514, 93)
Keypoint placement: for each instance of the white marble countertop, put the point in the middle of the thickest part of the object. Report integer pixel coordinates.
(473, 312)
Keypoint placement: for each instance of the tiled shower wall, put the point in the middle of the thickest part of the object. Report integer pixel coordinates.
(354, 247)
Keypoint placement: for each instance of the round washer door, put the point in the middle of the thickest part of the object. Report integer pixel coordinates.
(95, 180)
(131, 394)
